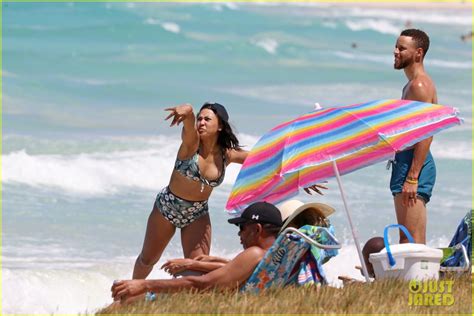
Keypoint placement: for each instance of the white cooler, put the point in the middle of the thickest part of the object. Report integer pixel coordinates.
(412, 262)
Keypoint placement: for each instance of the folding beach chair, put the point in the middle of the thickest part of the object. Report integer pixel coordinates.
(456, 257)
(296, 257)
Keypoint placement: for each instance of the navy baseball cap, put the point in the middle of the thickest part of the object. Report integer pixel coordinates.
(260, 212)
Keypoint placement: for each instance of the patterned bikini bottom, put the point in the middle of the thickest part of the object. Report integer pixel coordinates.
(178, 211)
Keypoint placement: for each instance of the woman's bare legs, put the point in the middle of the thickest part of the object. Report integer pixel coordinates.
(196, 237)
(159, 232)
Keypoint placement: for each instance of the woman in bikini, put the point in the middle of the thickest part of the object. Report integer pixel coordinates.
(208, 146)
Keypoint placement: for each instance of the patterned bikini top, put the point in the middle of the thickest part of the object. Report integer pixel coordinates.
(190, 169)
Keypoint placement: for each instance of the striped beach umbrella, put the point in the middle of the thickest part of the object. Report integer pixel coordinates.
(332, 141)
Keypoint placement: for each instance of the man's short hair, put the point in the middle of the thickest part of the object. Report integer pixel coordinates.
(421, 39)
(271, 229)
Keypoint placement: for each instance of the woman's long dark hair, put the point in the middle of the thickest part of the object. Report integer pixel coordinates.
(226, 138)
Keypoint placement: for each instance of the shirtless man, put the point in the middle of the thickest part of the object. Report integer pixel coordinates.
(259, 225)
(414, 171)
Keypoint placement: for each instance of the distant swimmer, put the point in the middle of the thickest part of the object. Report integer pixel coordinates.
(354, 45)
(466, 37)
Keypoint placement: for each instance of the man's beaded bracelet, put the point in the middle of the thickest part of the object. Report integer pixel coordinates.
(411, 180)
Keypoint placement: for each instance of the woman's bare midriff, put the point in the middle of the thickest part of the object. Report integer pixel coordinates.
(188, 189)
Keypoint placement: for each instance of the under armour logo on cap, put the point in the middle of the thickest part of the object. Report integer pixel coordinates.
(260, 212)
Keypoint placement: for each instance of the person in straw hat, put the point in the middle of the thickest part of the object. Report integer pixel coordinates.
(297, 214)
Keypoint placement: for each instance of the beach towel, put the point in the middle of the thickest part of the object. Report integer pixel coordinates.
(311, 270)
(289, 257)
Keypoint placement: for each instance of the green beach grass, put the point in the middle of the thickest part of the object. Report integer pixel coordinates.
(380, 297)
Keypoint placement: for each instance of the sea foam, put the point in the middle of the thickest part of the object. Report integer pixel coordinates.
(225, 5)
(270, 45)
(105, 173)
(98, 173)
(449, 64)
(171, 27)
(152, 21)
(88, 173)
(73, 290)
(455, 150)
(377, 25)
(440, 16)
(56, 291)
(388, 60)
(305, 95)
(382, 59)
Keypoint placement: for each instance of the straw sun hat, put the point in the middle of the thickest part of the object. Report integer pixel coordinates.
(307, 213)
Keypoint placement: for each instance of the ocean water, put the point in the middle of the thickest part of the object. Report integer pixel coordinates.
(86, 148)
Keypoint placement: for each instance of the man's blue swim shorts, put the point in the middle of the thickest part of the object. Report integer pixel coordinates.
(426, 178)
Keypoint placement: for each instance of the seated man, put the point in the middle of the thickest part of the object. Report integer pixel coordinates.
(294, 213)
(259, 225)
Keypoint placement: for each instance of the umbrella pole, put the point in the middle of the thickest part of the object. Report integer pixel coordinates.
(354, 234)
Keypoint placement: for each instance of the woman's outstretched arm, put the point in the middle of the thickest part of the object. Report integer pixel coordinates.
(190, 139)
